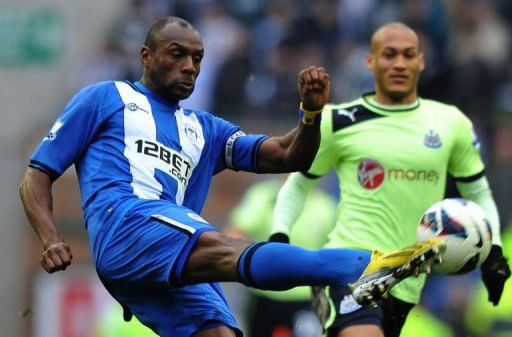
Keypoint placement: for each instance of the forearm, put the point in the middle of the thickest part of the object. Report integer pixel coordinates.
(302, 147)
(35, 193)
(295, 151)
(290, 202)
(480, 192)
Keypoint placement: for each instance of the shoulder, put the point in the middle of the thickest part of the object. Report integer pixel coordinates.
(441, 107)
(96, 91)
(342, 115)
(444, 111)
(103, 86)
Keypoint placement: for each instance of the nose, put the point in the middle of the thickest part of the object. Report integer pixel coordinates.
(399, 62)
(188, 66)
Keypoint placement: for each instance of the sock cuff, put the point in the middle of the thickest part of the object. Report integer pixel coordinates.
(244, 264)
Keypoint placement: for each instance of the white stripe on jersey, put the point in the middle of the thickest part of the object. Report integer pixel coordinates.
(139, 121)
(192, 144)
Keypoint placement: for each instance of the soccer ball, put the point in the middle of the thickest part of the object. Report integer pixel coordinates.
(467, 232)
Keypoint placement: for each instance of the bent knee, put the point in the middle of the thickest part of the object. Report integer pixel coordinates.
(214, 258)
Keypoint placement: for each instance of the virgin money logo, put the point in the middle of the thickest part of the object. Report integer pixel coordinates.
(370, 174)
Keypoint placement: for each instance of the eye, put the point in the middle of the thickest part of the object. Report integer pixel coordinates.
(176, 54)
(388, 54)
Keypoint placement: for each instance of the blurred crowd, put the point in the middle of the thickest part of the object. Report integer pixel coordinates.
(254, 49)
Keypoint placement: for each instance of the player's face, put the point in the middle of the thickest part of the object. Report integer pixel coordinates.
(396, 63)
(172, 68)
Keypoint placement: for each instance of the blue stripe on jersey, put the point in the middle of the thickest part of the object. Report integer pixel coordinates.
(128, 143)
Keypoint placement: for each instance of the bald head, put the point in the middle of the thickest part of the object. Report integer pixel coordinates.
(388, 30)
(158, 26)
(396, 62)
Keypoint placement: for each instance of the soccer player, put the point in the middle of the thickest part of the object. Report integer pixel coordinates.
(391, 150)
(144, 166)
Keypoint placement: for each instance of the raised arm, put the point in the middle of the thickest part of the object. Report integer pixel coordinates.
(296, 150)
(36, 196)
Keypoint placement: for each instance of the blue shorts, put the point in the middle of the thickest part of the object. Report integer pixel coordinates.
(141, 266)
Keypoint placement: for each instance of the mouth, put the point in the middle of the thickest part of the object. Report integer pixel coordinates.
(187, 85)
(399, 78)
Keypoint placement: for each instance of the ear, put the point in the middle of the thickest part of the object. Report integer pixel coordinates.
(145, 56)
(370, 61)
(422, 61)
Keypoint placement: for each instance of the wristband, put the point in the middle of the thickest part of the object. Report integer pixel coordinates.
(308, 117)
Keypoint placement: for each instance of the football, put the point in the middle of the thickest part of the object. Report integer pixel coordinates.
(467, 232)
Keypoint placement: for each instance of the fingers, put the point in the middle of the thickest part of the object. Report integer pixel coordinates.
(57, 256)
(314, 87)
(313, 78)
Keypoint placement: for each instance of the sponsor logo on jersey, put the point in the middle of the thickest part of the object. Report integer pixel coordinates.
(413, 175)
(349, 304)
(432, 139)
(370, 174)
(177, 165)
(135, 107)
(347, 113)
(52, 134)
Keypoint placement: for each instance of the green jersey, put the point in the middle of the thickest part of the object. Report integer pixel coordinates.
(392, 165)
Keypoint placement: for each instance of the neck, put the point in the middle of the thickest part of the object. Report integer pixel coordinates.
(155, 89)
(389, 100)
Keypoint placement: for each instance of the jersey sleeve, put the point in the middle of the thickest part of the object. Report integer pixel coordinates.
(465, 160)
(291, 201)
(238, 150)
(70, 134)
(324, 158)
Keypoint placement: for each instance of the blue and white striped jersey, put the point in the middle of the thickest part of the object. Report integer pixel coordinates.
(129, 144)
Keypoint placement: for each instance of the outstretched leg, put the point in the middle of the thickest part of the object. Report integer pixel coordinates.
(278, 266)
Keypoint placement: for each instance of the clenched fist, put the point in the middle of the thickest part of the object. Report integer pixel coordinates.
(314, 88)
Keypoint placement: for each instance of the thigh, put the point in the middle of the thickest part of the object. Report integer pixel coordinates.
(214, 258)
(151, 246)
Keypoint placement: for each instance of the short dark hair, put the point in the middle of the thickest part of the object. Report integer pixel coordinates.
(154, 30)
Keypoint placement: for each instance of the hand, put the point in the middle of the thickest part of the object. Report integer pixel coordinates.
(495, 271)
(279, 237)
(56, 256)
(314, 88)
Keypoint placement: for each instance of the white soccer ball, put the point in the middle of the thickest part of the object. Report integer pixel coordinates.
(467, 232)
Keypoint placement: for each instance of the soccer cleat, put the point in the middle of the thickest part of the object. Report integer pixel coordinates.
(386, 270)
(320, 303)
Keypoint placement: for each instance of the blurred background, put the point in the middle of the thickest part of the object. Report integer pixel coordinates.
(254, 49)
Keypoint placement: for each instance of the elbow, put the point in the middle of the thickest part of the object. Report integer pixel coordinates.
(304, 162)
(304, 166)
(22, 188)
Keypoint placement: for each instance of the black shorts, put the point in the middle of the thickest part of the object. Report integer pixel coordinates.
(390, 315)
